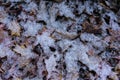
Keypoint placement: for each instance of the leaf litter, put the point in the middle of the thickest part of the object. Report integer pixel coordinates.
(59, 40)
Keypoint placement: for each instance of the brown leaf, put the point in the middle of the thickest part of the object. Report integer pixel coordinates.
(2, 36)
(89, 28)
(115, 34)
(91, 52)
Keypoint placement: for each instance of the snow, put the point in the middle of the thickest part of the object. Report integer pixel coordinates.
(31, 28)
(45, 41)
(64, 10)
(67, 47)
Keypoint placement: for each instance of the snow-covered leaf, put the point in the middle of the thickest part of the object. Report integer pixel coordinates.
(25, 52)
(15, 28)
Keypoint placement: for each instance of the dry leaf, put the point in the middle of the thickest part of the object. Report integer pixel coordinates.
(91, 52)
(1, 33)
(90, 28)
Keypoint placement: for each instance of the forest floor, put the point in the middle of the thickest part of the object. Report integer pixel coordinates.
(59, 40)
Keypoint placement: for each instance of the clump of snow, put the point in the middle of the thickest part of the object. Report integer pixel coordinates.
(5, 50)
(89, 37)
(31, 28)
(89, 9)
(65, 10)
(50, 66)
(31, 6)
(3, 16)
(80, 53)
(45, 41)
(96, 41)
(42, 13)
(14, 0)
(74, 54)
